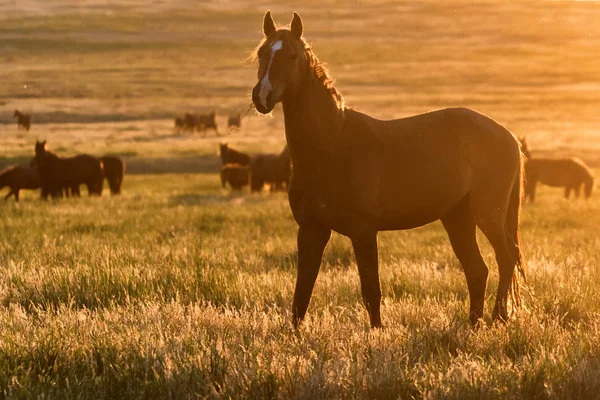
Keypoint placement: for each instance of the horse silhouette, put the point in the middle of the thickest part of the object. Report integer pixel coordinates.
(114, 171)
(273, 169)
(569, 173)
(57, 173)
(23, 120)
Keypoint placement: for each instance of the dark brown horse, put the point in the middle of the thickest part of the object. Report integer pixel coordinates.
(18, 177)
(180, 125)
(273, 169)
(114, 171)
(57, 173)
(208, 121)
(23, 120)
(234, 121)
(358, 175)
(568, 173)
(234, 174)
(232, 156)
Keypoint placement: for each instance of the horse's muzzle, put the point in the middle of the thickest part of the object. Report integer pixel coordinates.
(258, 102)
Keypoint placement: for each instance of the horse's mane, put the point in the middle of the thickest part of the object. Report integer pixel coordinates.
(322, 73)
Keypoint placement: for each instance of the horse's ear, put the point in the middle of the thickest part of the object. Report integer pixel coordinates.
(297, 27)
(268, 24)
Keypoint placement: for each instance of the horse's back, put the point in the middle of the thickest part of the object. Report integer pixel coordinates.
(22, 177)
(79, 169)
(233, 156)
(420, 167)
(557, 172)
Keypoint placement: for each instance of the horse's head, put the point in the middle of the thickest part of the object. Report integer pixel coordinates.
(16, 114)
(223, 149)
(40, 148)
(281, 64)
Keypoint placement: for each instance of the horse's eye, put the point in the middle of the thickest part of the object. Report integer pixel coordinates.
(293, 56)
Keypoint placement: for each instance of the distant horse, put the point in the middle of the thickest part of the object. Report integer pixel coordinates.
(234, 174)
(180, 125)
(57, 173)
(274, 169)
(18, 177)
(191, 122)
(570, 173)
(23, 120)
(114, 171)
(234, 121)
(358, 175)
(208, 121)
(232, 156)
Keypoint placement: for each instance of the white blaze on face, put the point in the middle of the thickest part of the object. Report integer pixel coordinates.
(265, 83)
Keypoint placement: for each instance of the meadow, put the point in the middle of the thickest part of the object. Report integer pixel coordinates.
(180, 289)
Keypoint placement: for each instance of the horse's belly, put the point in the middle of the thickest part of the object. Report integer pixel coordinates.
(403, 222)
(410, 204)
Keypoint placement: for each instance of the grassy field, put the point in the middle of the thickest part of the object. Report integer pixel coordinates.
(179, 289)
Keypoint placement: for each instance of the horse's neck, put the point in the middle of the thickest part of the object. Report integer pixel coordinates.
(313, 123)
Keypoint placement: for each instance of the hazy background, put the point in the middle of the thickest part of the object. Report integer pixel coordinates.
(109, 77)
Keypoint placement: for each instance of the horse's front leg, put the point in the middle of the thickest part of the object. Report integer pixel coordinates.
(312, 239)
(365, 250)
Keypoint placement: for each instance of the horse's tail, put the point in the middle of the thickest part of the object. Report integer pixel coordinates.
(513, 219)
(588, 186)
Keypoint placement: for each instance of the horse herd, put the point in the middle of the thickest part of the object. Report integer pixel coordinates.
(240, 169)
(191, 123)
(62, 176)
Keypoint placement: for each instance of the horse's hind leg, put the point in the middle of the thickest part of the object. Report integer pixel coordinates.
(577, 191)
(567, 192)
(530, 190)
(461, 228)
(312, 240)
(365, 250)
(507, 254)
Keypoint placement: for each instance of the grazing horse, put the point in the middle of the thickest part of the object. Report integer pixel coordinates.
(114, 171)
(191, 122)
(18, 177)
(570, 173)
(232, 156)
(358, 175)
(234, 121)
(274, 169)
(23, 120)
(180, 125)
(208, 121)
(234, 174)
(57, 173)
